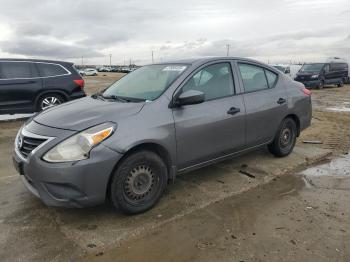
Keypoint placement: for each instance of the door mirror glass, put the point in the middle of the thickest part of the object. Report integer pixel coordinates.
(190, 97)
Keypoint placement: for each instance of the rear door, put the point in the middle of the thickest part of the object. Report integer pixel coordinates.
(19, 82)
(265, 102)
(215, 127)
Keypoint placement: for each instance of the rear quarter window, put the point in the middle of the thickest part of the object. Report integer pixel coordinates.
(271, 78)
(46, 70)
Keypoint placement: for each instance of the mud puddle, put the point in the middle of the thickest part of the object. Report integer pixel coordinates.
(280, 221)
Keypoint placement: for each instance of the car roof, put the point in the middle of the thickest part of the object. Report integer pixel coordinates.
(203, 60)
(34, 60)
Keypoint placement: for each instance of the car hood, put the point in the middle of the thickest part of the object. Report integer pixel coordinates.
(83, 113)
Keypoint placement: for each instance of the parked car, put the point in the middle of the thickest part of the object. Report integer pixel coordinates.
(90, 72)
(125, 143)
(28, 85)
(104, 69)
(320, 74)
(290, 70)
(81, 72)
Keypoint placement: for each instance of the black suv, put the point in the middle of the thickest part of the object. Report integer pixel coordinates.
(29, 85)
(320, 74)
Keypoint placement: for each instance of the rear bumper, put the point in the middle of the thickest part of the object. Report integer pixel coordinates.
(77, 95)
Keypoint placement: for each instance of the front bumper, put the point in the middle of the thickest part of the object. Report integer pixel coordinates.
(72, 184)
(310, 83)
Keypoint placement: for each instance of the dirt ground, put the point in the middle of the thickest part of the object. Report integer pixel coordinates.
(281, 213)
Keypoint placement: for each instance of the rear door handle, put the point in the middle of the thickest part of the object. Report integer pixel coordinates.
(281, 101)
(233, 110)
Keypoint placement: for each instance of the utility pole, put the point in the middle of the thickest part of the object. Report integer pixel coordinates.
(82, 61)
(228, 49)
(152, 57)
(110, 60)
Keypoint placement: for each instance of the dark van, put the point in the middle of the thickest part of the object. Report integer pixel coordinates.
(320, 74)
(29, 85)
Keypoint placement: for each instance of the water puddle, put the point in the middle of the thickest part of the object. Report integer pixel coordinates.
(338, 109)
(337, 167)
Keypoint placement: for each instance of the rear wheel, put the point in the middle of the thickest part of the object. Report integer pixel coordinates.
(341, 83)
(285, 138)
(138, 183)
(49, 100)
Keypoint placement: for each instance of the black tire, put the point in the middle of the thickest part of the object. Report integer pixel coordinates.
(321, 85)
(340, 84)
(56, 99)
(285, 139)
(138, 183)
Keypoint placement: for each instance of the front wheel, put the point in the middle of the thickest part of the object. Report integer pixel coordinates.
(138, 183)
(321, 85)
(285, 139)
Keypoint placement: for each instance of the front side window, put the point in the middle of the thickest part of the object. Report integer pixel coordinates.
(147, 82)
(253, 77)
(215, 81)
(16, 70)
(46, 70)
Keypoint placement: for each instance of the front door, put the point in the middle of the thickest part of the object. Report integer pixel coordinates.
(215, 127)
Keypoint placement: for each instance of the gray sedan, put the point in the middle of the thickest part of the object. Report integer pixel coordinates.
(126, 143)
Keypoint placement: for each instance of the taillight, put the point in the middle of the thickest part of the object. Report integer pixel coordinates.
(306, 91)
(80, 82)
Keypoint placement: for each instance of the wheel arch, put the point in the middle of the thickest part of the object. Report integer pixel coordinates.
(160, 150)
(296, 120)
(46, 92)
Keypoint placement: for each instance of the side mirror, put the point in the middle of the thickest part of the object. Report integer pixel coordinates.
(190, 97)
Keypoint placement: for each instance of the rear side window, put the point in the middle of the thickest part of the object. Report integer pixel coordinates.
(256, 78)
(338, 66)
(215, 81)
(51, 69)
(15, 70)
(253, 77)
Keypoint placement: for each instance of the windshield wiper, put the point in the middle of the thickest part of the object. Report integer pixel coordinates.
(124, 98)
(117, 98)
(97, 95)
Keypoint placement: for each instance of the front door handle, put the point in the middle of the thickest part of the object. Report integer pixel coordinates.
(233, 110)
(281, 101)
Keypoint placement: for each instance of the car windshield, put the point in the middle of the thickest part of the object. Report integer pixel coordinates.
(311, 68)
(146, 83)
(281, 68)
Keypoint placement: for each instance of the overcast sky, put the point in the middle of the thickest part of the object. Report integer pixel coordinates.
(269, 30)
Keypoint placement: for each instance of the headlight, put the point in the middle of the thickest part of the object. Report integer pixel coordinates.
(314, 76)
(79, 146)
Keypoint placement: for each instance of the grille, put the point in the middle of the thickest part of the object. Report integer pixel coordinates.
(29, 144)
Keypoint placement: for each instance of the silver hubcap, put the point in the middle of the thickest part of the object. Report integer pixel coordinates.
(50, 101)
(139, 182)
(286, 137)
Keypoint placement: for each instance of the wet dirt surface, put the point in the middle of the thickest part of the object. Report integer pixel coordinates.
(31, 231)
(284, 220)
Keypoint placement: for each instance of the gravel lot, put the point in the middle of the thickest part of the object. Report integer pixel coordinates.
(215, 213)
